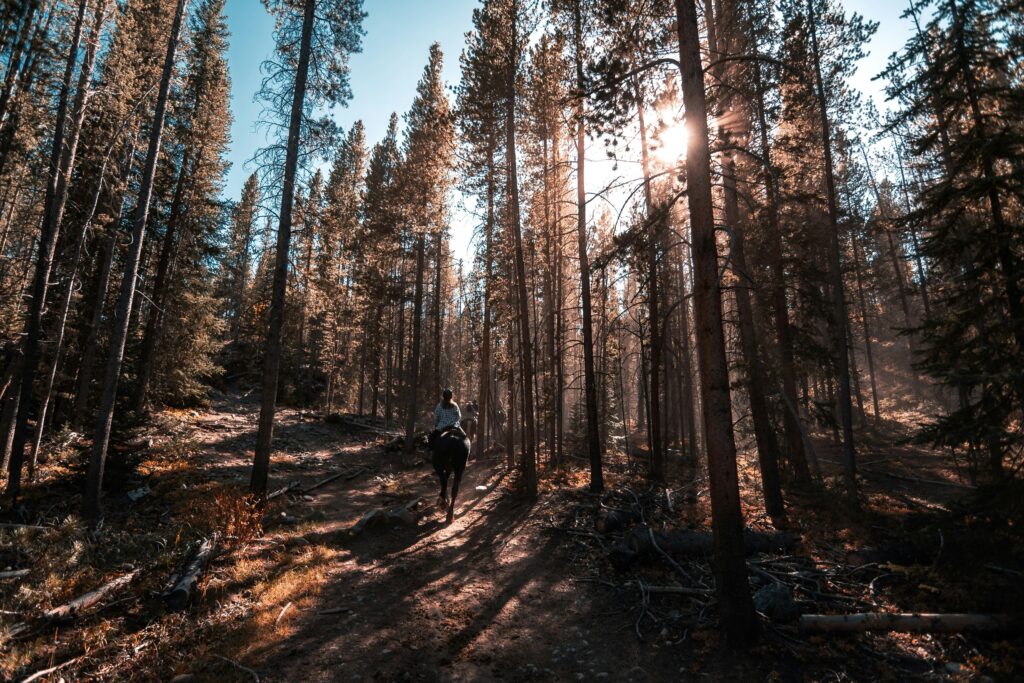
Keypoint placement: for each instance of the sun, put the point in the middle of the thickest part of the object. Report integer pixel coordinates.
(670, 143)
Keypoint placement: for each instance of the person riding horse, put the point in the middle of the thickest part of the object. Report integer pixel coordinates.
(449, 446)
(447, 416)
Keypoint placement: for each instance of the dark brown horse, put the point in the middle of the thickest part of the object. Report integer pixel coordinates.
(450, 452)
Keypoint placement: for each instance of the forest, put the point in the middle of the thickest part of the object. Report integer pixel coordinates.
(740, 357)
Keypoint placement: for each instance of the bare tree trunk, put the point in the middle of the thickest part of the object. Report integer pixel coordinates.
(839, 342)
(866, 324)
(764, 430)
(739, 622)
(154, 323)
(551, 234)
(438, 310)
(922, 275)
(87, 364)
(689, 402)
(653, 314)
(48, 237)
(589, 377)
(485, 350)
(412, 388)
(855, 375)
(525, 343)
(787, 364)
(272, 360)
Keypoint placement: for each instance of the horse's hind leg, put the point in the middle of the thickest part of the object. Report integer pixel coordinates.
(455, 492)
(442, 499)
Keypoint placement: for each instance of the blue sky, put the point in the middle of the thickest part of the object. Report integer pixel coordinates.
(398, 36)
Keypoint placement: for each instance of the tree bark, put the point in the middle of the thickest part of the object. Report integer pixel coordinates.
(485, 349)
(154, 324)
(912, 623)
(525, 343)
(653, 313)
(589, 377)
(866, 324)
(272, 359)
(412, 388)
(119, 335)
(783, 331)
(739, 622)
(764, 430)
(835, 268)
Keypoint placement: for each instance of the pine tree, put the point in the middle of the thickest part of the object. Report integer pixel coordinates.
(334, 26)
(425, 184)
(954, 82)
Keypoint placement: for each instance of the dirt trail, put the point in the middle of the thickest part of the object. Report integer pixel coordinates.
(520, 590)
(489, 596)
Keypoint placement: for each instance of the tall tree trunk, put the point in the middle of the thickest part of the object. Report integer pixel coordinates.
(780, 306)
(654, 316)
(87, 364)
(412, 387)
(525, 343)
(485, 350)
(835, 268)
(154, 323)
(550, 230)
(589, 377)
(868, 353)
(739, 622)
(438, 311)
(764, 430)
(272, 359)
(689, 402)
(48, 237)
(119, 335)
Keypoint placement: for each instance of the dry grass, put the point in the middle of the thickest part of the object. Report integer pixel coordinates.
(132, 636)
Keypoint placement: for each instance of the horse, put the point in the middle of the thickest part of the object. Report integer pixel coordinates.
(450, 451)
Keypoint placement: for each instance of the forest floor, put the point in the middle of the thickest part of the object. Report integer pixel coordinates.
(512, 590)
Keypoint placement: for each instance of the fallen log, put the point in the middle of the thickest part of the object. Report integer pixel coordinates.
(403, 515)
(10, 525)
(676, 590)
(15, 574)
(348, 474)
(642, 542)
(70, 610)
(283, 490)
(612, 519)
(919, 480)
(182, 587)
(917, 623)
(46, 672)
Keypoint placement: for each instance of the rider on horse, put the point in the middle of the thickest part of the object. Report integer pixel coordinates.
(447, 416)
(450, 447)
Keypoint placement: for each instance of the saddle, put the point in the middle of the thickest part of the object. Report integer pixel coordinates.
(454, 430)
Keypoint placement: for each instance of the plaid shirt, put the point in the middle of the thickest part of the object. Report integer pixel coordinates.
(447, 416)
